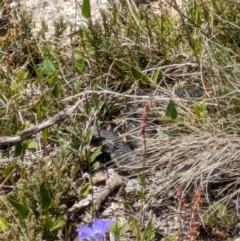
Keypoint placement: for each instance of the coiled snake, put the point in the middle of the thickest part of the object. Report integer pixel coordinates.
(123, 153)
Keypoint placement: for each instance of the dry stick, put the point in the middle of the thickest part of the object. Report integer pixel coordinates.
(23, 135)
(99, 196)
(103, 91)
(143, 97)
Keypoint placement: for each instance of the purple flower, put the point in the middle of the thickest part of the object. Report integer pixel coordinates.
(96, 232)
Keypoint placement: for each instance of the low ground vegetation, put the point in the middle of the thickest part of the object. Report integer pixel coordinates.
(53, 96)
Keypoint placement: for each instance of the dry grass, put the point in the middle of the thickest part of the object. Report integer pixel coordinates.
(190, 151)
(105, 70)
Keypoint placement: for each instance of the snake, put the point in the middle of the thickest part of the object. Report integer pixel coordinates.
(123, 153)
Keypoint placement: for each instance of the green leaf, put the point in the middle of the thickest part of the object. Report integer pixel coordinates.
(39, 111)
(200, 109)
(73, 132)
(22, 75)
(90, 131)
(47, 67)
(86, 9)
(7, 171)
(223, 211)
(57, 224)
(56, 92)
(52, 77)
(32, 145)
(119, 63)
(79, 65)
(78, 85)
(156, 75)
(45, 196)
(152, 235)
(45, 134)
(138, 75)
(149, 233)
(96, 165)
(142, 179)
(124, 229)
(173, 238)
(114, 16)
(74, 150)
(171, 111)
(4, 225)
(95, 155)
(142, 195)
(115, 229)
(85, 139)
(20, 208)
(19, 148)
(85, 189)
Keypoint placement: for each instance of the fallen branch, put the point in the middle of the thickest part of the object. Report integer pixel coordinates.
(100, 192)
(23, 135)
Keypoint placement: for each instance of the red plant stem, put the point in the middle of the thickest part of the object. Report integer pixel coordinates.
(194, 222)
(143, 128)
(181, 203)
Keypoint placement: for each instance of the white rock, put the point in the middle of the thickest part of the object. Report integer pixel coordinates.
(53, 10)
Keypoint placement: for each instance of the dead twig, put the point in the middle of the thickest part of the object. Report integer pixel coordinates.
(23, 135)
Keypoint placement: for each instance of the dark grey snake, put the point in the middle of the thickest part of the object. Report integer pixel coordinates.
(121, 152)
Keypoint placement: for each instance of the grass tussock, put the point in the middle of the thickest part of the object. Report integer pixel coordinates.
(131, 55)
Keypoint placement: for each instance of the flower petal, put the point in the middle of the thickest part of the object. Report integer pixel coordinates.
(98, 237)
(97, 225)
(107, 224)
(85, 232)
(100, 226)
